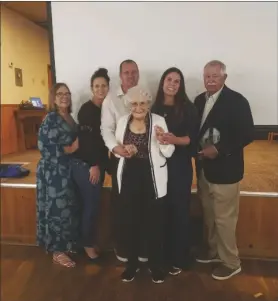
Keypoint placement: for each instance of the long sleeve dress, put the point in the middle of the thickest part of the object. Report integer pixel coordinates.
(180, 176)
(57, 221)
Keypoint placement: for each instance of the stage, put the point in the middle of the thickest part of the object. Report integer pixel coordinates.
(257, 231)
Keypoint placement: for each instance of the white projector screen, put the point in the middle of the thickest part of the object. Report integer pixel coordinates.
(158, 35)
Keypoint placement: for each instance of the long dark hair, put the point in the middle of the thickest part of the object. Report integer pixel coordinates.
(181, 97)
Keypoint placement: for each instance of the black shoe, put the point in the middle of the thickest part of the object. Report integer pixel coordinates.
(222, 272)
(129, 274)
(158, 275)
(174, 271)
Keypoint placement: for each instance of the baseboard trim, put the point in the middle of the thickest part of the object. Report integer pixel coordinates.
(261, 131)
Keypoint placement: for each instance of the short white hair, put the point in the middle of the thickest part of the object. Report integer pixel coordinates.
(138, 93)
(217, 63)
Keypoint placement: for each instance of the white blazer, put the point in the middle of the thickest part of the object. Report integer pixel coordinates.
(157, 153)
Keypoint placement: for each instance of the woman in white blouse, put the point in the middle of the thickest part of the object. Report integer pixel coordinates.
(142, 182)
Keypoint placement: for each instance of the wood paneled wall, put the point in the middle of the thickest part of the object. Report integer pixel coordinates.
(256, 230)
(18, 215)
(9, 143)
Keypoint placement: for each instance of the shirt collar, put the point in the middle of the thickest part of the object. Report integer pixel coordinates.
(120, 92)
(214, 96)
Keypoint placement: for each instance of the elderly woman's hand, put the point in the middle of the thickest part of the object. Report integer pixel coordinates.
(131, 149)
(121, 151)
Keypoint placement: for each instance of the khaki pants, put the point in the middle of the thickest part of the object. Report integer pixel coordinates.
(220, 208)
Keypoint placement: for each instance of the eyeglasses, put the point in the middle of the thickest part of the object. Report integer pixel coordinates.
(61, 94)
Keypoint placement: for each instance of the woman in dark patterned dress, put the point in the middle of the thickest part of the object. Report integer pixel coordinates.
(56, 202)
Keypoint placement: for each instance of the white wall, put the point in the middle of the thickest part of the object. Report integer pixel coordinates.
(88, 35)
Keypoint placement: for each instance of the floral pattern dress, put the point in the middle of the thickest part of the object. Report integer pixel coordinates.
(57, 211)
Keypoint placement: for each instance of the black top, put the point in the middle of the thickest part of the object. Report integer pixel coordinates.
(232, 120)
(92, 149)
(186, 125)
(139, 140)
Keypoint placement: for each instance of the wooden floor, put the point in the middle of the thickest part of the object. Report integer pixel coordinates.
(261, 167)
(27, 274)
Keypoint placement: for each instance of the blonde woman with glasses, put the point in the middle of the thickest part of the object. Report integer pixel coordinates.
(56, 202)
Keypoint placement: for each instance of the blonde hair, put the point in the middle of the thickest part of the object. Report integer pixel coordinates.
(139, 94)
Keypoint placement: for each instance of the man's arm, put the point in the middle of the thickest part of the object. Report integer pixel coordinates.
(108, 124)
(108, 129)
(243, 128)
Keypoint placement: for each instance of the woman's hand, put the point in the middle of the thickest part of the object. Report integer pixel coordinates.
(94, 174)
(159, 133)
(131, 149)
(75, 145)
(169, 138)
(72, 148)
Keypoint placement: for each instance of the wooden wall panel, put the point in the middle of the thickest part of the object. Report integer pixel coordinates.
(11, 137)
(9, 143)
(18, 215)
(256, 232)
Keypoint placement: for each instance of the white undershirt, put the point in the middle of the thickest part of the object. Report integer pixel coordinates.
(210, 101)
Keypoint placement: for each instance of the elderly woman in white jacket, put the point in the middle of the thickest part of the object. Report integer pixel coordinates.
(142, 182)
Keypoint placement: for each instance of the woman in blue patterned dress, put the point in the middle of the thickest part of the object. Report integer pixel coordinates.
(57, 222)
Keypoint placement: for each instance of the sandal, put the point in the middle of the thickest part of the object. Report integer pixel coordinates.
(94, 254)
(63, 259)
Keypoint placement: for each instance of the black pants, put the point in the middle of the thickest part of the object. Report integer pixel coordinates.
(89, 202)
(140, 215)
(177, 231)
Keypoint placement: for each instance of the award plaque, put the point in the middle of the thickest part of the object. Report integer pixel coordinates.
(211, 137)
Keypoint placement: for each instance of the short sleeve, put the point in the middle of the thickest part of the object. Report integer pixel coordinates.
(52, 137)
